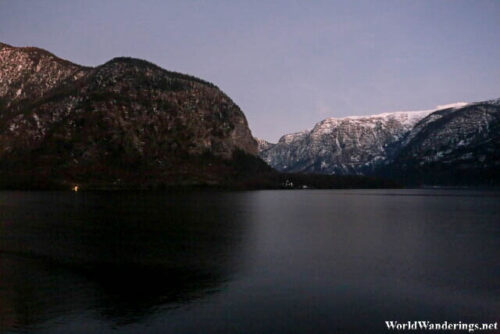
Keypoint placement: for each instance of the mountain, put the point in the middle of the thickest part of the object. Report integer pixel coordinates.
(451, 144)
(28, 73)
(350, 145)
(126, 123)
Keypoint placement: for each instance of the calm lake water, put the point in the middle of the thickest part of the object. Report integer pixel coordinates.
(310, 261)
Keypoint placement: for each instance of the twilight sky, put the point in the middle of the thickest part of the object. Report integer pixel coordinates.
(287, 64)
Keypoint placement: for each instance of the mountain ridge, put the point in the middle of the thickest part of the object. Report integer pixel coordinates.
(129, 123)
(374, 144)
(423, 113)
(126, 122)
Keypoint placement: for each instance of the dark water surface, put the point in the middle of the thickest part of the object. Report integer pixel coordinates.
(246, 262)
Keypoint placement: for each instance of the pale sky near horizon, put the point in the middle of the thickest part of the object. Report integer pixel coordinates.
(287, 64)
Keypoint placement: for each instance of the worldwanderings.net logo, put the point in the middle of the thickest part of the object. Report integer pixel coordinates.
(443, 326)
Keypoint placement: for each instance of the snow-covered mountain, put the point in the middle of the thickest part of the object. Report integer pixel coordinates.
(451, 146)
(370, 144)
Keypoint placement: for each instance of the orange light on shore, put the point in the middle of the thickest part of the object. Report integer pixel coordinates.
(75, 188)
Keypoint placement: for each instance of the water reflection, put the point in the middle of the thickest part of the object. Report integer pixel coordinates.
(246, 262)
(123, 255)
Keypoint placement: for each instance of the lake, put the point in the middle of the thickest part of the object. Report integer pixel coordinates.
(289, 261)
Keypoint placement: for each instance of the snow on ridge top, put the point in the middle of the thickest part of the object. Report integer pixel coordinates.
(452, 105)
(406, 117)
(410, 113)
(288, 138)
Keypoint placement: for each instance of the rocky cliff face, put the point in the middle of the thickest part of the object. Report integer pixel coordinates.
(406, 145)
(127, 121)
(452, 146)
(351, 145)
(28, 73)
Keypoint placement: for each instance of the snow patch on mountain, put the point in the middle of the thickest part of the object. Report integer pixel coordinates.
(347, 145)
(406, 118)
